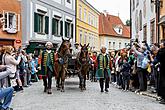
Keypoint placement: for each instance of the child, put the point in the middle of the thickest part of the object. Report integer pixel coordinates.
(34, 70)
(125, 71)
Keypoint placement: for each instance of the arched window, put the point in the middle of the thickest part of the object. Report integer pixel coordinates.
(140, 20)
(137, 3)
(136, 22)
(133, 5)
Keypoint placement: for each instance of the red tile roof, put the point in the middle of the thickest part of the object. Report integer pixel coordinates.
(107, 24)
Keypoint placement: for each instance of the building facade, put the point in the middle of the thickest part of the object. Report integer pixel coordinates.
(162, 20)
(47, 20)
(11, 33)
(87, 25)
(143, 21)
(113, 33)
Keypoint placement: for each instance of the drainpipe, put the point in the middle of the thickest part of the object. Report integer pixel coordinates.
(130, 22)
(75, 21)
(158, 5)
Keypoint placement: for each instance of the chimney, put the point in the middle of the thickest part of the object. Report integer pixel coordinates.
(105, 12)
(118, 14)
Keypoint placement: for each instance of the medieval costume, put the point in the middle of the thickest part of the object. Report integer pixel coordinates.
(103, 70)
(47, 68)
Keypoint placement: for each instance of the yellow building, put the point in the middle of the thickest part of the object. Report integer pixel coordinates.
(87, 25)
(162, 20)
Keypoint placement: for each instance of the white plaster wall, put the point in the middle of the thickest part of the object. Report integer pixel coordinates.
(69, 5)
(106, 39)
(58, 1)
(150, 15)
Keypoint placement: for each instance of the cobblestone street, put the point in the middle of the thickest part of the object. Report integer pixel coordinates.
(33, 98)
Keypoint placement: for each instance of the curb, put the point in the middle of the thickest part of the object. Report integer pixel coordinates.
(150, 95)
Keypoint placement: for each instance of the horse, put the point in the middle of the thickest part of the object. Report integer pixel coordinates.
(63, 54)
(83, 65)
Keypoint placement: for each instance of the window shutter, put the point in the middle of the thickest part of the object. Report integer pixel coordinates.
(46, 24)
(5, 23)
(61, 28)
(53, 26)
(18, 22)
(36, 22)
(14, 25)
(72, 30)
(66, 29)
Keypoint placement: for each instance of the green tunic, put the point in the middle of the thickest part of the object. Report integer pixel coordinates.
(47, 61)
(103, 64)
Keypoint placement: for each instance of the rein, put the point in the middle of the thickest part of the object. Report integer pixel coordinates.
(82, 64)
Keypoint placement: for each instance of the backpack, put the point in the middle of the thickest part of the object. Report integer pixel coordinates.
(145, 63)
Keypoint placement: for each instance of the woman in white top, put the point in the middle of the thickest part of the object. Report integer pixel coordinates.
(9, 60)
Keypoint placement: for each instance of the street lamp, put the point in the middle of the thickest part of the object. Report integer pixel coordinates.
(158, 5)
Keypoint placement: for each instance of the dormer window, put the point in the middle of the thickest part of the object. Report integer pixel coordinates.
(118, 29)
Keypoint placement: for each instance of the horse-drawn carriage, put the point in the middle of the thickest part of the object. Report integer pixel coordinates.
(68, 65)
(71, 69)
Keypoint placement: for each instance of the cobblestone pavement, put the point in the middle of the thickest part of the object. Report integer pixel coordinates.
(33, 98)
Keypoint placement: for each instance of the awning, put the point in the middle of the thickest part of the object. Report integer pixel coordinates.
(162, 20)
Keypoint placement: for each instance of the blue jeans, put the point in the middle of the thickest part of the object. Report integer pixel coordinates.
(6, 94)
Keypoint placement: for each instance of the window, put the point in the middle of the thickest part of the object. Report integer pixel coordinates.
(12, 22)
(152, 7)
(152, 31)
(85, 38)
(140, 20)
(57, 27)
(90, 39)
(69, 1)
(119, 29)
(119, 45)
(145, 33)
(163, 28)
(80, 12)
(133, 5)
(89, 19)
(67, 29)
(85, 15)
(113, 45)
(41, 23)
(96, 22)
(137, 3)
(109, 45)
(136, 22)
(144, 8)
(81, 39)
(125, 45)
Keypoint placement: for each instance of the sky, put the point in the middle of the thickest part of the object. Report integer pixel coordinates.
(113, 7)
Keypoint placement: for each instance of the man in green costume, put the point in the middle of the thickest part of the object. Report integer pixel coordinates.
(103, 70)
(47, 66)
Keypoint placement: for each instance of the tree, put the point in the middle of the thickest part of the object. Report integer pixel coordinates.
(128, 23)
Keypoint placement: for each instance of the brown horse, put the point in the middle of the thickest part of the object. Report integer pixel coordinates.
(63, 54)
(83, 65)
